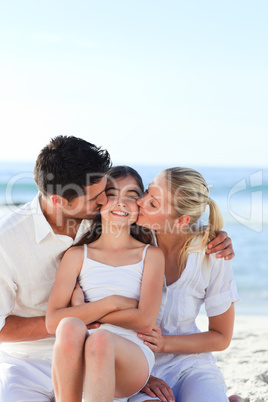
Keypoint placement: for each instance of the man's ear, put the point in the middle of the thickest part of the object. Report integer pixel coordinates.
(57, 200)
(182, 221)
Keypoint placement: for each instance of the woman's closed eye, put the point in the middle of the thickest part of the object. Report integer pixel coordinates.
(146, 192)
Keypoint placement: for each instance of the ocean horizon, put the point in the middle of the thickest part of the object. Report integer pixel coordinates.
(242, 195)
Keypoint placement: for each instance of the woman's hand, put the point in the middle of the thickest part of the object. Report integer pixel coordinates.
(221, 243)
(156, 387)
(154, 340)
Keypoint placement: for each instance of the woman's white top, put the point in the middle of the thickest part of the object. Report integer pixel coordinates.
(210, 284)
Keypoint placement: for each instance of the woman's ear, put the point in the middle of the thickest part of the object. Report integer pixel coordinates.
(182, 221)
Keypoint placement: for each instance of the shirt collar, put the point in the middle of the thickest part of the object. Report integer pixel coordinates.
(42, 227)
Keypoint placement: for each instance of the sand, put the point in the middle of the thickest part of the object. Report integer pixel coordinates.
(245, 363)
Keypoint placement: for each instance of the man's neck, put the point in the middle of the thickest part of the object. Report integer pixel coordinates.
(59, 223)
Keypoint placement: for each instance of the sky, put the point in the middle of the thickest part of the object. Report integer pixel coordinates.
(155, 82)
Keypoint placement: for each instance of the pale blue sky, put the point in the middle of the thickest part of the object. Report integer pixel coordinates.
(163, 82)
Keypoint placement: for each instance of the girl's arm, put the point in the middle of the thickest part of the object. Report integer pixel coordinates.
(61, 294)
(218, 337)
(144, 317)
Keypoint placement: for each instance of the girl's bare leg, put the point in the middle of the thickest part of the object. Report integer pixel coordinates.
(114, 367)
(68, 360)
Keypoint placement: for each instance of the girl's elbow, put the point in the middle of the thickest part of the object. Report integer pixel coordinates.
(145, 329)
(146, 326)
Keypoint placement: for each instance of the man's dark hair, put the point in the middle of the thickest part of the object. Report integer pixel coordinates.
(67, 165)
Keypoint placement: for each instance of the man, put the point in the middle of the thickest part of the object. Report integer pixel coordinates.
(70, 176)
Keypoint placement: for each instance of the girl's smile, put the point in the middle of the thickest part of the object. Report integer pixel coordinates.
(122, 195)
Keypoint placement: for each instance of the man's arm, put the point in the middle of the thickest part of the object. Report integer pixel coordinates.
(21, 329)
(15, 328)
(222, 245)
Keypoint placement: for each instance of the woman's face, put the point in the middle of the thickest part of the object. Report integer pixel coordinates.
(156, 211)
(122, 195)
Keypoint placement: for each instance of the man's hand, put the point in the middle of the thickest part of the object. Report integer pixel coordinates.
(221, 243)
(93, 325)
(158, 388)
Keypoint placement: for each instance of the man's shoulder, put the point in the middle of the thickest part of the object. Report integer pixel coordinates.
(19, 216)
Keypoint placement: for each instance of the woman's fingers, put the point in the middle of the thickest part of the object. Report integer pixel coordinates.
(154, 340)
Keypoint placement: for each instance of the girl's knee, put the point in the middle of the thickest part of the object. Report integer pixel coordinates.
(71, 332)
(99, 343)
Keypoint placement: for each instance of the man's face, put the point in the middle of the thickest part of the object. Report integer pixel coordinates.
(87, 205)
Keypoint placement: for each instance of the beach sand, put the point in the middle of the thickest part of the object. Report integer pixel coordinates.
(245, 363)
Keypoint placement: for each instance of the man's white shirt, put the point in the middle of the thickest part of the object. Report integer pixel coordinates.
(30, 253)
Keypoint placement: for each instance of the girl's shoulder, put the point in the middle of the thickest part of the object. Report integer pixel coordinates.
(75, 252)
(155, 253)
(151, 249)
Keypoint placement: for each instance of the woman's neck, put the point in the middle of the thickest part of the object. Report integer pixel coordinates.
(171, 243)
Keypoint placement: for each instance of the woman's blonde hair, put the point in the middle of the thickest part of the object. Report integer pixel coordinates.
(190, 196)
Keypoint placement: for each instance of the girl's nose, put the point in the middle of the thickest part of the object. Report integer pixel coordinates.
(121, 202)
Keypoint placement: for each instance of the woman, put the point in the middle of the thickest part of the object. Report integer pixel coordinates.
(112, 260)
(172, 206)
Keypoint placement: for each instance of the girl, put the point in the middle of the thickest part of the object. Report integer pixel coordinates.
(113, 260)
(172, 206)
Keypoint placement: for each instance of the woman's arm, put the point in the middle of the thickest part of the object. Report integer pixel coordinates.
(144, 317)
(218, 337)
(61, 294)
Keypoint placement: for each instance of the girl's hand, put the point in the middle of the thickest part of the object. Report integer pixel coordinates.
(78, 297)
(122, 302)
(158, 388)
(154, 340)
(221, 243)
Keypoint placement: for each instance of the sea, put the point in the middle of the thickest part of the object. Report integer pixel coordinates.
(242, 195)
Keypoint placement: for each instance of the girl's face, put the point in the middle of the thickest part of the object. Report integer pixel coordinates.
(122, 195)
(156, 211)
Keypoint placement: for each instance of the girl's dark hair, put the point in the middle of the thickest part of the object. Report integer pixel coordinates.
(140, 233)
